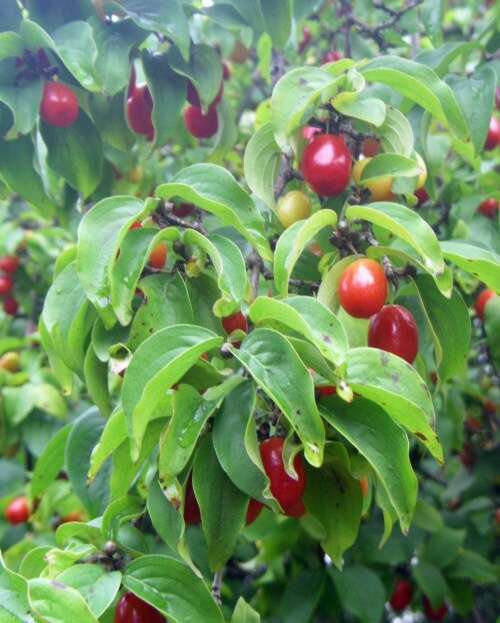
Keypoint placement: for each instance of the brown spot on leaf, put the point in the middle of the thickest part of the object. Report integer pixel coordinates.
(421, 436)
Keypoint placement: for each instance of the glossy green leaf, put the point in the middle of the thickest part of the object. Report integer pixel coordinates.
(227, 133)
(396, 134)
(482, 263)
(77, 48)
(277, 369)
(97, 586)
(405, 224)
(11, 45)
(120, 511)
(158, 363)
(334, 497)
(308, 317)
(14, 606)
(301, 596)
(172, 588)
(431, 582)
(450, 326)
(278, 20)
(292, 243)
(114, 433)
(166, 518)
(214, 189)
(421, 85)
(390, 164)
(471, 566)
(57, 603)
(370, 109)
(262, 163)
(244, 613)
(440, 59)
(492, 328)
(95, 373)
(384, 445)
(443, 546)
(24, 103)
(75, 153)
(361, 592)
(49, 463)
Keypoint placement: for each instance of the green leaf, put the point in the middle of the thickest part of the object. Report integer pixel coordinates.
(334, 497)
(483, 264)
(76, 46)
(492, 328)
(262, 164)
(390, 164)
(296, 96)
(191, 412)
(301, 596)
(166, 518)
(450, 325)
(441, 58)
(214, 189)
(14, 596)
(49, 463)
(204, 70)
(396, 134)
(228, 262)
(227, 134)
(443, 546)
(81, 441)
(24, 103)
(307, 316)
(427, 517)
(95, 373)
(405, 224)
(135, 250)
(278, 20)
(172, 588)
(18, 172)
(278, 370)
(108, 116)
(11, 45)
(97, 586)
(164, 16)
(158, 363)
(100, 233)
(369, 109)
(397, 387)
(168, 91)
(244, 613)
(431, 582)
(383, 444)
(421, 85)
(471, 566)
(223, 507)
(432, 14)
(113, 434)
(293, 241)
(361, 592)
(57, 603)
(75, 153)
(68, 317)
(120, 511)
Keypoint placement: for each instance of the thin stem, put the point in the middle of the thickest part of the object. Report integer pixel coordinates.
(216, 586)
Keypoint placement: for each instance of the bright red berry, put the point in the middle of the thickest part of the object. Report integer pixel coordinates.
(18, 511)
(493, 136)
(6, 284)
(59, 106)
(287, 490)
(183, 209)
(326, 390)
(401, 595)
(9, 263)
(10, 305)
(422, 196)
(194, 99)
(131, 609)
(192, 514)
(200, 125)
(234, 322)
(434, 614)
(482, 300)
(370, 147)
(297, 510)
(488, 207)
(394, 330)
(158, 256)
(139, 111)
(326, 165)
(363, 288)
(253, 511)
(331, 57)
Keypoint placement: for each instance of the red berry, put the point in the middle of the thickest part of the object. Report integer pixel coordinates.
(326, 165)
(194, 99)
(10, 305)
(467, 456)
(226, 72)
(401, 595)
(6, 284)
(482, 300)
(473, 423)
(192, 514)
(326, 390)
(200, 125)
(131, 609)
(253, 511)
(434, 614)
(488, 207)
(9, 263)
(183, 209)
(234, 322)
(18, 511)
(139, 110)
(135, 225)
(331, 57)
(306, 39)
(285, 489)
(394, 330)
(370, 147)
(59, 106)
(422, 196)
(493, 136)
(158, 256)
(297, 510)
(363, 288)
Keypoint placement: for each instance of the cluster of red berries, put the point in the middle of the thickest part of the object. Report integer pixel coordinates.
(401, 598)
(288, 491)
(362, 292)
(8, 266)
